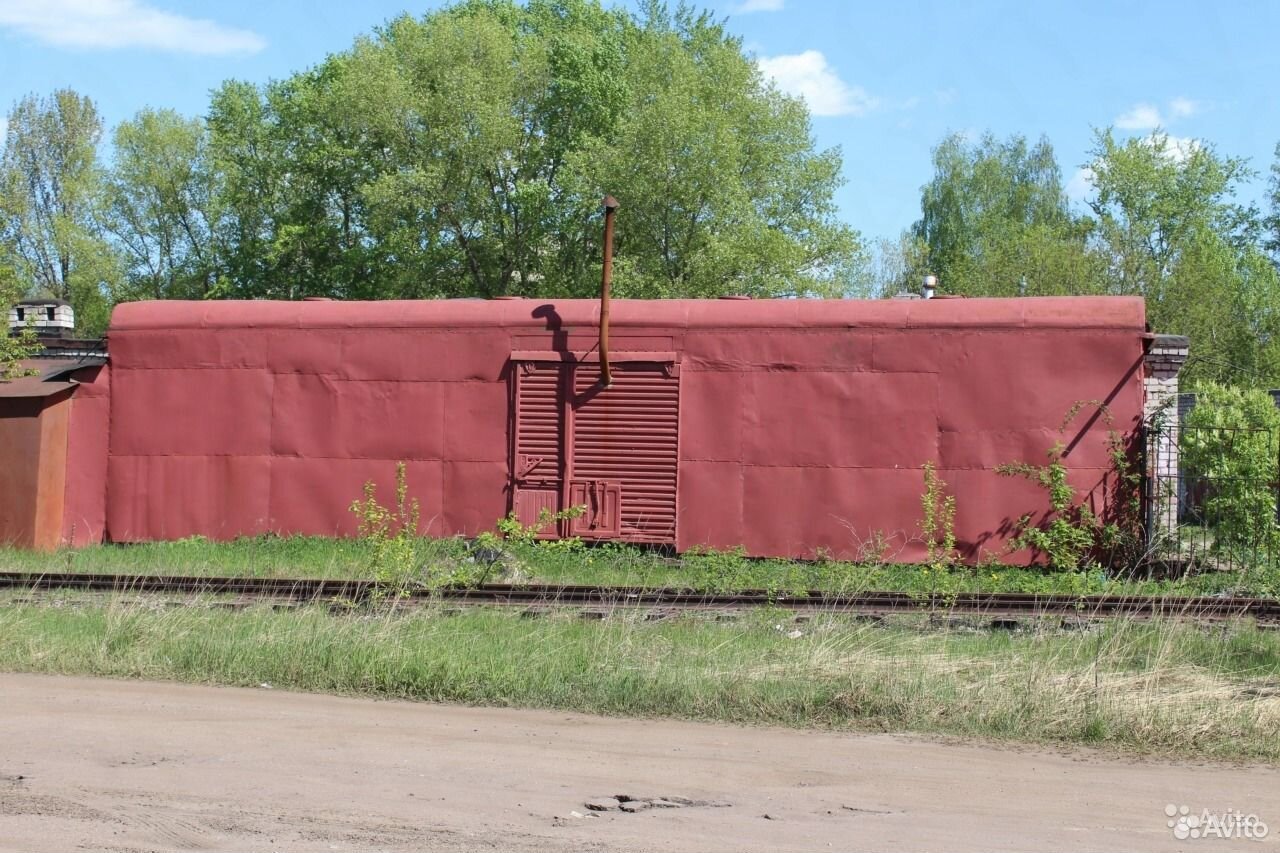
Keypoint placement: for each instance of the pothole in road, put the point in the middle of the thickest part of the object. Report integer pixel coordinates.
(630, 804)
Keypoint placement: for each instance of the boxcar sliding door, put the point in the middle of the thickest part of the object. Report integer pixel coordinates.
(612, 451)
(538, 463)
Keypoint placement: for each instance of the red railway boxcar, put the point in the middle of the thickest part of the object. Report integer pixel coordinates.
(786, 427)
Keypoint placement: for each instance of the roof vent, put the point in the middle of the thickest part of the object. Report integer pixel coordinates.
(51, 318)
(737, 296)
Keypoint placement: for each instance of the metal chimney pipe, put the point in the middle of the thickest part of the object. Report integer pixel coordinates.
(606, 279)
(930, 286)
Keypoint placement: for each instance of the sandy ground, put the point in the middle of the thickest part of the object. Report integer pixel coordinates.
(110, 765)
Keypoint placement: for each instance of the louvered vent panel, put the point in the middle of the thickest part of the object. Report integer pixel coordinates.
(627, 433)
(539, 423)
(539, 444)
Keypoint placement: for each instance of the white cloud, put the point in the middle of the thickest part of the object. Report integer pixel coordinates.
(807, 75)
(123, 23)
(1176, 148)
(1081, 184)
(746, 7)
(1146, 116)
(1141, 117)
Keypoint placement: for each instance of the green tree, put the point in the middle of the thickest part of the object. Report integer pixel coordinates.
(245, 156)
(50, 187)
(722, 187)
(1167, 229)
(13, 348)
(1227, 299)
(892, 267)
(291, 167)
(465, 154)
(995, 221)
(1154, 197)
(1272, 238)
(1232, 438)
(159, 206)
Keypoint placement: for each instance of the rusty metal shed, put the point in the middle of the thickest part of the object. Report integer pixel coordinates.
(35, 413)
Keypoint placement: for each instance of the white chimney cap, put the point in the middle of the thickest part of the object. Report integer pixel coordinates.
(52, 317)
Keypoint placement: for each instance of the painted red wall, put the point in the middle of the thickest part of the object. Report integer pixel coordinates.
(85, 512)
(804, 424)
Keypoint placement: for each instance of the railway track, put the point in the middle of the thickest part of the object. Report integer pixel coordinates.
(995, 605)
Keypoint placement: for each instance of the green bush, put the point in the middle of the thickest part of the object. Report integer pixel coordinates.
(13, 349)
(1231, 440)
(1067, 537)
(391, 533)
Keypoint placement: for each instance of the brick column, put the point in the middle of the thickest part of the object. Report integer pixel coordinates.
(1160, 412)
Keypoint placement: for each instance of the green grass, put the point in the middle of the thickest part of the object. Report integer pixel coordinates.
(300, 556)
(262, 556)
(1156, 687)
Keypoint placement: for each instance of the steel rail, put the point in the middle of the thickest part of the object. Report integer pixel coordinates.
(992, 604)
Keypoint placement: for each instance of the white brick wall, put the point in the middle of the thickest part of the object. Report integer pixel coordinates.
(36, 315)
(1160, 410)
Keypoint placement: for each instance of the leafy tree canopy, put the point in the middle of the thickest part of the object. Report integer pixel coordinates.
(995, 221)
(13, 348)
(465, 154)
(1167, 228)
(1161, 222)
(1272, 239)
(50, 187)
(160, 206)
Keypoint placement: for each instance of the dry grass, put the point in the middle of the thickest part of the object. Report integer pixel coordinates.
(1164, 687)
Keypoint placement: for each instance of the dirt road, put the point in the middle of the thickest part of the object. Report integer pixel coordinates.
(109, 765)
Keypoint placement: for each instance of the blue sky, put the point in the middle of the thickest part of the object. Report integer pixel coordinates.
(885, 81)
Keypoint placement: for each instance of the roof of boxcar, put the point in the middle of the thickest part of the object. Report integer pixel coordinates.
(1070, 312)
